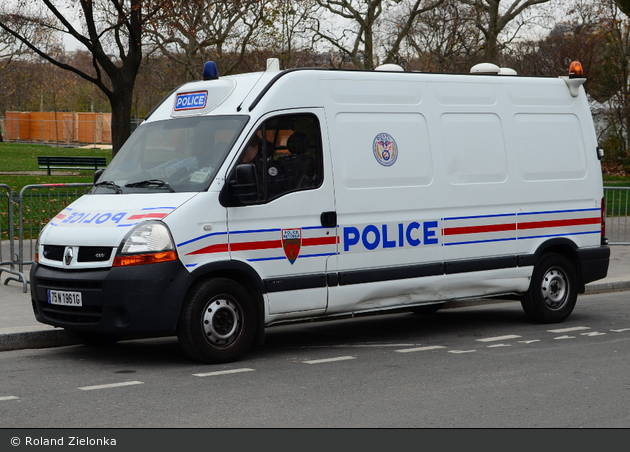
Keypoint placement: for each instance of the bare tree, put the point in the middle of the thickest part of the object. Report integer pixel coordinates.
(492, 18)
(221, 30)
(9, 46)
(624, 6)
(446, 40)
(614, 73)
(353, 28)
(291, 23)
(111, 30)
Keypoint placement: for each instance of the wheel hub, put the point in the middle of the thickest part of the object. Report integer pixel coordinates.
(555, 288)
(221, 322)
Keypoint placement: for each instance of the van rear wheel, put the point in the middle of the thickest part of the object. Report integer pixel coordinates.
(552, 291)
(218, 322)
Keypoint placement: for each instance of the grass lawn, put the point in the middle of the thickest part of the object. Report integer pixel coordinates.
(22, 157)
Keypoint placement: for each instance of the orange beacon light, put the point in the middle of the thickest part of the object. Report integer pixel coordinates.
(575, 70)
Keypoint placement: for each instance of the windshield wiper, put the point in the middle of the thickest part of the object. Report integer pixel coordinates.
(157, 183)
(109, 184)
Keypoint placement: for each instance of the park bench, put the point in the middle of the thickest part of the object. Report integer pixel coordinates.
(70, 162)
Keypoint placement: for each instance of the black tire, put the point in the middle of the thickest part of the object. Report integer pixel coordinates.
(93, 339)
(218, 322)
(552, 291)
(427, 309)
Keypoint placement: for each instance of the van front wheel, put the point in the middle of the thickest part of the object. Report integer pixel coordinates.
(217, 323)
(552, 292)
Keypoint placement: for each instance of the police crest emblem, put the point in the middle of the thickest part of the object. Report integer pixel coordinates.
(291, 243)
(385, 149)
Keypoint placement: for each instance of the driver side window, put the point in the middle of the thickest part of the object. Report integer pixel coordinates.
(283, 155)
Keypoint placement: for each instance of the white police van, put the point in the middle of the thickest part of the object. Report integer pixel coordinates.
(370, 191)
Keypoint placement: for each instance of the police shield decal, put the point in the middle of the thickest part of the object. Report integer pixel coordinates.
(291, 243)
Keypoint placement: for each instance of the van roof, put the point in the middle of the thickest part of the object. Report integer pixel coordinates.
(243, 92)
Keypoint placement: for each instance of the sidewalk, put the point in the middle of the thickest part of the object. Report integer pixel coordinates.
(20, 330)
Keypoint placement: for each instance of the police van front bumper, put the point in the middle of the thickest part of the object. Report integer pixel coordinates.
(136, 300)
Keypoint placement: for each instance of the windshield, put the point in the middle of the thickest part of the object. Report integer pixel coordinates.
(177, 155)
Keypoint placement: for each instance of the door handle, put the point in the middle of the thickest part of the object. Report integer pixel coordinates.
(328, 219)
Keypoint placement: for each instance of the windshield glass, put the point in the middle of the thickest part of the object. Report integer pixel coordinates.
(176, 155)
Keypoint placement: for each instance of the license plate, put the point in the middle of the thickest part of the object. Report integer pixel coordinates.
(64, 298)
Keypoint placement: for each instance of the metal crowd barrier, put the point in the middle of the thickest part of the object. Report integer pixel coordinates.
(8, 259)
(617, 201)
(36, 206)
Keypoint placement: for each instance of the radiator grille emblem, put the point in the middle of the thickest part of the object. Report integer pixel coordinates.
(67, 256)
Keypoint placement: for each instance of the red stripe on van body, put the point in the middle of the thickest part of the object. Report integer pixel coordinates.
(254, 246)
(271, 244)
(263, 245)
(479, 229)
(219, 248)
(315, 241)
(146, 215)
(559, 223)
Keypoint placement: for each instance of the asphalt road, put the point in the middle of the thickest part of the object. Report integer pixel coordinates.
(478, 366)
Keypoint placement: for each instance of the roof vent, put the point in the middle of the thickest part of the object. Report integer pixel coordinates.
(485, 68)
(507, 71)
(389, 67)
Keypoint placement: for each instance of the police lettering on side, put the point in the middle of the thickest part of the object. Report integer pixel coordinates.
(370, 237)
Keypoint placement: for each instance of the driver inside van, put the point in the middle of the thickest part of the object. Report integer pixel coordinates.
(275, 172)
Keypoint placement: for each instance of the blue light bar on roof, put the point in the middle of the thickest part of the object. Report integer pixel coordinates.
(210, 71)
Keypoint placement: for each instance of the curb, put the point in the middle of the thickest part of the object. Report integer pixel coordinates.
(613, 286)
(20, 338)
(44, 336)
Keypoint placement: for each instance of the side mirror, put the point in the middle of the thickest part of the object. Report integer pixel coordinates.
(97, 174)
(242, 186)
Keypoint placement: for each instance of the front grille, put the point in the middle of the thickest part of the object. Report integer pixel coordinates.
(94, 254)
(86, 253)
(72, 314)
(54, 252)
(70, 284)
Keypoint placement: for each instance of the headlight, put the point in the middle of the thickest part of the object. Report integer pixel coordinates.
(148, 243)
(37, 244)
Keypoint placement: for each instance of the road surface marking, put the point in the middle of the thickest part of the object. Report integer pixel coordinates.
(8, 398)
(529, 342)
(566, 330)
(499, 345)
(499, 338)
(621, 330)
(565, 337)
(420, 349)
(328, 360)
(368, 345)
(111, 385)
(593, 333)
(224, 372)
(461, 351)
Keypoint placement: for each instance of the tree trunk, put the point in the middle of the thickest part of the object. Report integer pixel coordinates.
(491, 48)
(121, 120)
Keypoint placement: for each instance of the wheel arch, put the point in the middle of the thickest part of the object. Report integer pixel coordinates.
(565, 247)
(243, 274)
